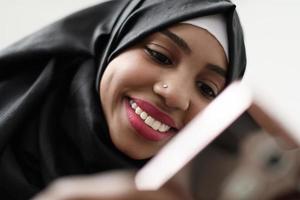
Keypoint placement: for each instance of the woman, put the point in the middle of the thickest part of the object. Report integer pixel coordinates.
(69, 93)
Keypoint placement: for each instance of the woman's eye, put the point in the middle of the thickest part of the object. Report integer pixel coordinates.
(206, 90)
(158, 57)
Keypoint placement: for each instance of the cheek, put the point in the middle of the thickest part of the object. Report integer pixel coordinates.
(197, 106)
(128, 70)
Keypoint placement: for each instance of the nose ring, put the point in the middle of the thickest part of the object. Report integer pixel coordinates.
(165, 86)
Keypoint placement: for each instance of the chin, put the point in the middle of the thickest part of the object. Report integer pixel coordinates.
(136, 154)
(134, 151)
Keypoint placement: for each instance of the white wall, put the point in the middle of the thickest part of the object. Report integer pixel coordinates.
(272, 29)
(22, 17)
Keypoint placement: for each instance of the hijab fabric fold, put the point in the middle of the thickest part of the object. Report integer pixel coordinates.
(51, 120)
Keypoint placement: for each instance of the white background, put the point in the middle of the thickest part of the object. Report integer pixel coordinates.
(272, 29)
(22, 17)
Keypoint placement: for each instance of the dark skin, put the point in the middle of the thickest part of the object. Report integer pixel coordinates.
(192, 63)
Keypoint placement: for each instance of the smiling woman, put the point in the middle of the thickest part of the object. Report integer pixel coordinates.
(132, 87)
(107, 87)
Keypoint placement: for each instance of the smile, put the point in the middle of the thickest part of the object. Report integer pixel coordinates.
(141, 117)
(149, 120)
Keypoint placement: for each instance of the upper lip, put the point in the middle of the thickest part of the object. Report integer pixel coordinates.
(155, 112)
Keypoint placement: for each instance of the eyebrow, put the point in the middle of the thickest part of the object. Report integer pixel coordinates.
(217, 69)
(178, 41)
(185, 47)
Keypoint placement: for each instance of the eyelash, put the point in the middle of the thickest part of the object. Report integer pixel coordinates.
(206, 90)
(158, 56)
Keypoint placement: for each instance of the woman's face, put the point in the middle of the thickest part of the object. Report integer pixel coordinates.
(153, 89)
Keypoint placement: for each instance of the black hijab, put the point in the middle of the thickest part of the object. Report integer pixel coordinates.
(51, 121)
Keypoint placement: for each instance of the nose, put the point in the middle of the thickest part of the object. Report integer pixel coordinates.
(175, 92)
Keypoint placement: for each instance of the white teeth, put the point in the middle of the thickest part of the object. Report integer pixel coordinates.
(163, 128)
(150, 121)
(143, 115)
(138, 110)
(133, 105)
(156, 125)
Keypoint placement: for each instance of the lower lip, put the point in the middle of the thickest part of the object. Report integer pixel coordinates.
(141, 128)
